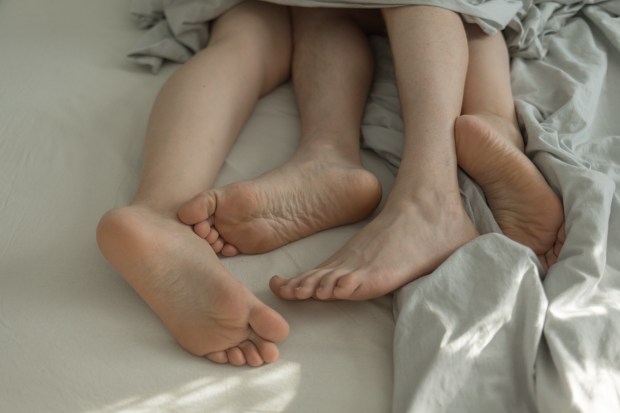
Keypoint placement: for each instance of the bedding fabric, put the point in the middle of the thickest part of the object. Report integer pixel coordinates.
(177, 28)
(488, 330)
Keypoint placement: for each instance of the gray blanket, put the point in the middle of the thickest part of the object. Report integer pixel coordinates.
(488, 331)
(179, 28)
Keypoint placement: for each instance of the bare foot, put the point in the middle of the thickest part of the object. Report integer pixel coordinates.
(525, 207)
(306, 195)
(179, 276)
(404, 242)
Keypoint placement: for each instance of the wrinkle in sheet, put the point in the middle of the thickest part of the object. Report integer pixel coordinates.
(576, 372)
(184, 30)
(487, 316)
(555, 343)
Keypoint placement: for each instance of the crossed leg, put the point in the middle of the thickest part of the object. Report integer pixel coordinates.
(324, 184)
(194, 121)
(423, 220)
(489, 148)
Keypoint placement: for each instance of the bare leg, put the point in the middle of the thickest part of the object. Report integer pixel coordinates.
(193, 124)
(490, 149)
(423, 221)
(324, 184)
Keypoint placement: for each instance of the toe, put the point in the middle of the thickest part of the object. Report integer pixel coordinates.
(552, 256)
(559, 242)
(347, 285)
(307, 285)
(235, 356)
(201, 207)
(218, 357)
(296, 288)
(218, 245)
(267, 324)
(202, 229)
(283, 288)
(229, 250)
(557, 248)
(325, 289)
(543, 261)
(212, 235)
(268, 351)
(302, 287)
(251, 354)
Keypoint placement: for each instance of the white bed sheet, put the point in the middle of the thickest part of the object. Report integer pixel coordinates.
(73, 336)
(484, 332)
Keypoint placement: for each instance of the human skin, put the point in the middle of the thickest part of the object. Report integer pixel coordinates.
(195, 120)
(423, 221)
(408, 239)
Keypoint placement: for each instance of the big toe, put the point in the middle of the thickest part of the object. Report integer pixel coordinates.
(290, 289)
(267, 324)
(276, 283)
(198, 209)
(267, 352)
(268, 328)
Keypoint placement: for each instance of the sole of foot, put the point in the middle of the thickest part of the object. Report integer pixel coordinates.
(205, 308)
(291, 202)
(526, 208)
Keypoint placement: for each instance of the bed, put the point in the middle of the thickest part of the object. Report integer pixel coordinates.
(487, 331)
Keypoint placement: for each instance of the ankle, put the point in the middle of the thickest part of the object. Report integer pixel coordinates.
(154, 207)
(320, 145)
(508, 117)
(429, 203)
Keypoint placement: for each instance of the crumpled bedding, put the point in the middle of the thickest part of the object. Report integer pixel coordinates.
(488, 330)
(178, 28)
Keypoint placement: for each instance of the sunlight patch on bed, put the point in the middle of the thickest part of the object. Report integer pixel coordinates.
(266, 389)
(595, 386)
(473, 341)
